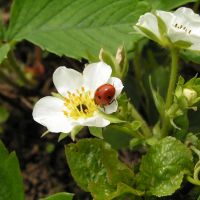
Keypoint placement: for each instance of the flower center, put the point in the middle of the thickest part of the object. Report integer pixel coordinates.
(182, 27)
(80, 104)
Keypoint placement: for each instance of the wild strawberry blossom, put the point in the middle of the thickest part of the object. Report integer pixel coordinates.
(181, 28)
(76, 106)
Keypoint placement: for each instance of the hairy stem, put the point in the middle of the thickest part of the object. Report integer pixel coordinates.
(171, 89)
(16, 68)
(145, 128)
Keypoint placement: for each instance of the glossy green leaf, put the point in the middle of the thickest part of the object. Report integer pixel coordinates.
(60, 196)
(4, 49)
(11, 184)
(76, 28)
(163, 167)
(168, 4)
(96, 168)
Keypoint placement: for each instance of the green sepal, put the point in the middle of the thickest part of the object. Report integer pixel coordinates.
(149, 34)
(96, 131)
(182, 44)
(62, 136)
(75, 131)
(112, 118)
(45, 133)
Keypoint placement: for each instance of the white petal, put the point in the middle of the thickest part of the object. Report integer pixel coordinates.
(96, 74)
(66, 79)
(183, 24)
(117, 83)
(48, 111)
(149, 21)
(187, 14)
(111, 108)
(96, 121)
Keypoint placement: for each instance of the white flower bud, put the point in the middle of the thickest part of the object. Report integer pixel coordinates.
(190, 94)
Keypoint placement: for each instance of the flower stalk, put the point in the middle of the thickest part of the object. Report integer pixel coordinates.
(145, 128)
(171, 89)
(16, 68)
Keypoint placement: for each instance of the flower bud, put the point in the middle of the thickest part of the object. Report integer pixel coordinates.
(190, 95)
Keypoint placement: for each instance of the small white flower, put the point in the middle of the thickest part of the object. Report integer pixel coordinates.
(181, 26)
(77, 108)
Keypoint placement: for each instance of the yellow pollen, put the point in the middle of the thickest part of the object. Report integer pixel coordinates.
(80, 104)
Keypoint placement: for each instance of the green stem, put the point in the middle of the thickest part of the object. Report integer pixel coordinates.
(7, 79)
(16, 68)
(196, 173)
(171, 89)
(193, 181)
(145, 128)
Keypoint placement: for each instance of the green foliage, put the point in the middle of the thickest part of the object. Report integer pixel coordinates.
(163, 167)
(4, 114)
(60, 196)
(168, 4)
(11, 184)
(75, 28)
(158, 100)
(4, 49)
(119, 136)
(193, 56)
(96, 168)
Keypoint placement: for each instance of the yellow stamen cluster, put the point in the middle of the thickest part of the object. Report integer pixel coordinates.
(80, 104)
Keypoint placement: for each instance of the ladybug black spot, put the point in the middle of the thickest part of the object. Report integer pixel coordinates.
(99, 97)
(109, 97)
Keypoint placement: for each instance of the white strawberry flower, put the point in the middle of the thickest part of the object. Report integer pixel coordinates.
(77, 106)
(181, 27)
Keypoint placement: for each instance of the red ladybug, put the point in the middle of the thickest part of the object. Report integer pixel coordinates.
(104, 94)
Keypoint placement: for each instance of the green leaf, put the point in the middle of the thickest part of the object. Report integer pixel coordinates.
(189, 55)
(3, 114)
(4, 49)
(11, 184)
(118, 136)
(168, 4)
(124, 189)
(76, 28)
(60, 196)
(163, 167)
(96, 168)
(3, 152)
